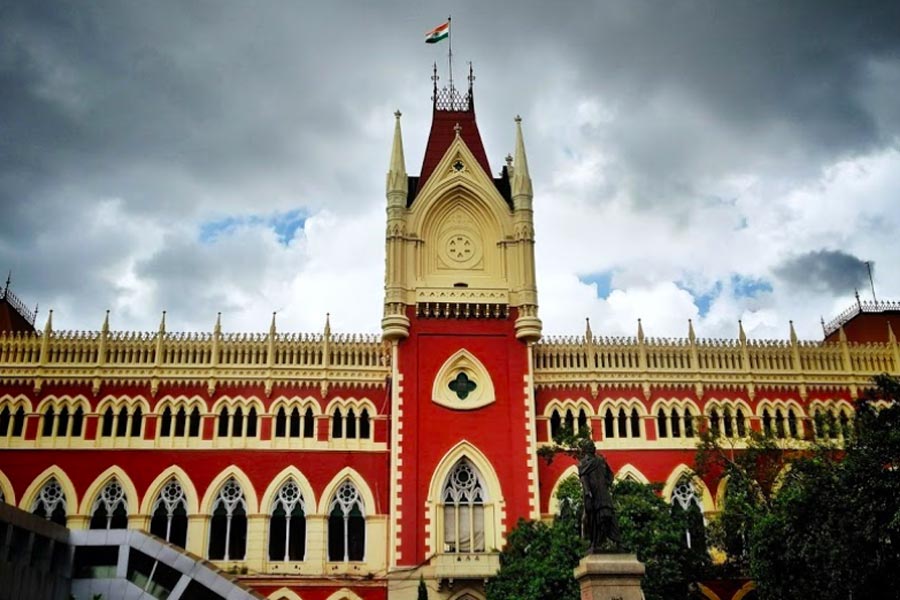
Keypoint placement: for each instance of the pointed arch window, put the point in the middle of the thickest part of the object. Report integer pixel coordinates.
(714, 422)
(106, 429)
(365, 426)
(463, 497)
(169, 514)
(727, 423)
(194, 423)
(295, 423)
(5, 418)
(555, 424)
(609, 424)
(688, 423)
(49, 416)
(346, 525)
(779, 424)
(792, 424)
(18, 422)
(137, 418)
(180, 418)
(165, 423)
(622, 424)
(309, 424)
(661, 424)
(337, 424)
(237, 422)
(287, 525)
(741, 423)
(223, 422)
(122, 423)
(62, 423)
(350, 428)
(51, 503)
(676, 423)
(636, 424)
(110, 510)
(686, 499)
(228, 526)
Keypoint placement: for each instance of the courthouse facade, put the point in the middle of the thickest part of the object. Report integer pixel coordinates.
(328, 466)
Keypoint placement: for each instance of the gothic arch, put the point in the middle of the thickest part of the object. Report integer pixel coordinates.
(629, 471)
(343, 594)
(287, 474)
(345, 474)
(302, 403)
(129, 402)
(64, 401)
(467, 594)
(463, 449)
(180, 401)
(157, 484)
(9, 496)
(284, 594)
(233, 402)
(93, 490)
(356, 404)
(553, 502)
(52, 472)
(212, 490)
(683, 470)
(14, 402)
(463, 362)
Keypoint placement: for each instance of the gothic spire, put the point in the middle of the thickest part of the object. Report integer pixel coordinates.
(521, 179)
(396, 177)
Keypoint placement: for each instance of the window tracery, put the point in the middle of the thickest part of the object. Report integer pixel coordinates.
(51, 503)
(228, 526)
(169, 514)
(110, 510)
(463, 498)
(346, 525)
(287, 526)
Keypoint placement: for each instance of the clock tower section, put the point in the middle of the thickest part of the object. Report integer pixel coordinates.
(460, 313)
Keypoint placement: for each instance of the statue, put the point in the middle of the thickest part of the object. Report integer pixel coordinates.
(599, 525)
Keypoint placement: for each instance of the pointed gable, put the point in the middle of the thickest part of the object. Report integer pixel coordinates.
(443, 133)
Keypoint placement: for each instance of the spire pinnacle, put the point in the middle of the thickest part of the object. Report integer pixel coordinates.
(162, 323)
(105, 328)
(640, 333)
(691, 335)
(891, 337)
(272, 325)
(521, 179)
(741, 335)
(48, 327)
(328, 325)
(396, 177)
(218, 327)
(793, 333)
(588, 334)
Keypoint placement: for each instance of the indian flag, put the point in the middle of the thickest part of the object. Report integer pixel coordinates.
(438, 33)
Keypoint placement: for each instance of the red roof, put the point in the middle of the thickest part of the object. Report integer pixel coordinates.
(442, 135)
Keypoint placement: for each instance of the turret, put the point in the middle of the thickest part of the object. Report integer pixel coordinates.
(528, 325)
(395, 324)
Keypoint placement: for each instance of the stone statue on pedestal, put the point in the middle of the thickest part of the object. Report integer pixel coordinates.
(599, 526)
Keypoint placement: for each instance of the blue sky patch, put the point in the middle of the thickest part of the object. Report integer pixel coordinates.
(748, 287)
(285, 225)
(741, 287)
(603, 281)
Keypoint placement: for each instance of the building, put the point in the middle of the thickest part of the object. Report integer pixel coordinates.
(342, 467)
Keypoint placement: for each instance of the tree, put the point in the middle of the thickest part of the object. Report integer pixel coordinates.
(422, 594)
(828, 523)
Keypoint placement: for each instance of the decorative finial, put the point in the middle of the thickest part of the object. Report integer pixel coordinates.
(741, 335)
(457, 128)
(328, 325)
(217, 329)
(8, 281)
(105, 328)
(588, 334)
(691, 335)
(272, 325)
(509, 161)
(793, 333)
(858, 301)
(48, 326)
(640, 333)
(518, 119)
(162, 323)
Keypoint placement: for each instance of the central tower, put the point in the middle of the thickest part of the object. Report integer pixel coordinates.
(460, 312)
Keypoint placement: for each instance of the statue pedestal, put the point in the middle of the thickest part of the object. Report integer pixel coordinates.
(610, 577)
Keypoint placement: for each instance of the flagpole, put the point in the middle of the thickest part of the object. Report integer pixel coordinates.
(450, 57)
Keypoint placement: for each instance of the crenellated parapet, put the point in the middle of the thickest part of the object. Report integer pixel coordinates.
(211, 358)
(736, 363)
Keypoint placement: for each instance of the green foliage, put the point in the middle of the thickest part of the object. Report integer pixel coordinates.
(565, 442)
(422, 593)
(656, 532)
(832, 526)
(539, 559)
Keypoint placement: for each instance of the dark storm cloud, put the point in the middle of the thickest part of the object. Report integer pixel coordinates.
(824, 271)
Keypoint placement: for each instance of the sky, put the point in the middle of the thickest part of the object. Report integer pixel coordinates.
(701, 160)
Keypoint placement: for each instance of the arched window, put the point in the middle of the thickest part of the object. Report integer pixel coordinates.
(280, 423)
(685, 498)
(180, 418)
(832, 424)
(676, 423)
(570, 421)
(107, 426)
(463, 499)
(337, 424)
(295, 422)
(287, 527)
(767, 423)
(18, 422)
(688, 423)
(845, 424)
(555, 424)
(169, 514)
(136, 422)
(622, 422)
(122, 423)
(635, 423)
(237, 423)
(309, 424)
(741, 423)
(251, 422)
(714, 422)
(351, 424)
(346, 525)
(365, 428)
(51, 503)
(582, 420)
(792, 423)
(165, 423)
(5, 418)
(49, 416)
(661, 423)
(727, 423)
(110, 510)
(194, 423)
(223, 422)
(608, 424)
(779, 424)
(62, 423)
(228, 526)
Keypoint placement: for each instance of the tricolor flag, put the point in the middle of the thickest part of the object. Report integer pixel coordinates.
(438, 33)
